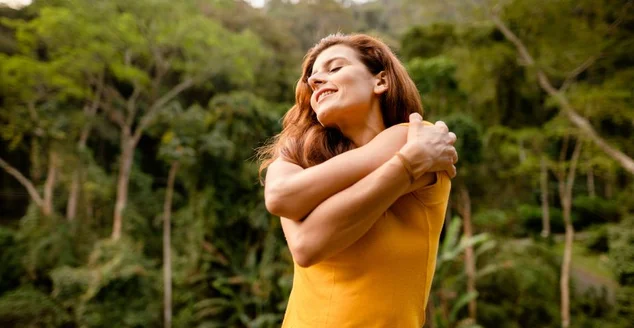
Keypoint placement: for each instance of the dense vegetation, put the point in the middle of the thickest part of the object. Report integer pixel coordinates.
(129, 186)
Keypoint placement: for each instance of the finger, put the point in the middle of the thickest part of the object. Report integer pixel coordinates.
(415, 123)
(452, 138)
(442, 126)
(453, 172)
(454, 155)
(415, 118)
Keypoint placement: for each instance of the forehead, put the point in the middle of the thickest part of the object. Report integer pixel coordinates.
(338, 50)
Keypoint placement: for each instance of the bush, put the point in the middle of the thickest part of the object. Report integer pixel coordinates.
(597, 239)
(621, 243)
(524, 292)
(493, 220)
(11, 269)
(594, 210)
(531, 219)
(28, 307)
(521, 293)
(118, 287)
(621, 253)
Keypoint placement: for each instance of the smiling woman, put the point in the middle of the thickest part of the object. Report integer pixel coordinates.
(361, 196)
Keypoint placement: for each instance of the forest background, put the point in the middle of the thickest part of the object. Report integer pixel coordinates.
(129, 191)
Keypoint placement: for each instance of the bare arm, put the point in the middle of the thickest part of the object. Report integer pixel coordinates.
(343, 218)
(293, 192)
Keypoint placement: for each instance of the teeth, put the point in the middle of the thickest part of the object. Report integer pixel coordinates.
(326, 93)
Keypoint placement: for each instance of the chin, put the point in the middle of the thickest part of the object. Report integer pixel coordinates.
(327, 118)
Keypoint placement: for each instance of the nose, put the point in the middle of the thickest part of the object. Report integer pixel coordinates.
(316, 80)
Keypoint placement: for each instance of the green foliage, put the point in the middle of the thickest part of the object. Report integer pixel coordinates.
(521, 293)
(530, 218)
(597, 239)
(595, 210)
(115, 270)
(494, 221)
(622, 250)
(11, 269)
(28, 307)
(230, 265)
(428, 41)
(48, 243)
(469, 143)
(450, 276)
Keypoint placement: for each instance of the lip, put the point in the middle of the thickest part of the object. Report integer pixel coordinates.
(320, 92)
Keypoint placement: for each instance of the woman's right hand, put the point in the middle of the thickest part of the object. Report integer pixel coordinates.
(430, 148)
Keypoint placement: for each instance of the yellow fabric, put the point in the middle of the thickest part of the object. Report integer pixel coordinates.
(382, 280)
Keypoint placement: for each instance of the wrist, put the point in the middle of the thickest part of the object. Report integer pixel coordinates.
(406, 165)
(419, 167)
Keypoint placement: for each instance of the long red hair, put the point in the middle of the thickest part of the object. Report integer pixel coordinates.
(304, 141)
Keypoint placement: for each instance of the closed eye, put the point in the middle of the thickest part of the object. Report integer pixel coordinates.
(335, 69)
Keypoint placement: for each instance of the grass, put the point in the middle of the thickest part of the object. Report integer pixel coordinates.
(596, 265)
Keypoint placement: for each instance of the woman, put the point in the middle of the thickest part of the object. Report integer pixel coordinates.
(361, 198)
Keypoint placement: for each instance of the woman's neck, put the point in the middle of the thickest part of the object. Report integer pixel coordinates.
(361, 132)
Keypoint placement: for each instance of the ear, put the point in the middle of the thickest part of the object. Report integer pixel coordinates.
(381, 84)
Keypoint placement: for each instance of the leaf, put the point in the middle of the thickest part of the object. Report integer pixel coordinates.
(460, 303)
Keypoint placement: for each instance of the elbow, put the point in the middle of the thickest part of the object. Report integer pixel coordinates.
(304, 260)
(273, 204)
(273, 200)
(303, 255)
(278, 204)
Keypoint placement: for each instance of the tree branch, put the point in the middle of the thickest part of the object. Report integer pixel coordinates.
(114, 115)
(24, 181)
(575, 72)
(147, 118)
(573, 166)
(581, 122)
(131, 104)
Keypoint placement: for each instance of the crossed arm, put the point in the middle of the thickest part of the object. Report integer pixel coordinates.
(328, 207)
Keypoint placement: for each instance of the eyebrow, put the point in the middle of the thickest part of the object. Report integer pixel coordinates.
(329, 61)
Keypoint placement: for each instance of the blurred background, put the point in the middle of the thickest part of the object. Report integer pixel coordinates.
(129, 190)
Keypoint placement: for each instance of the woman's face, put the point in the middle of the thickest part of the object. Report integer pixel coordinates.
(344, 90)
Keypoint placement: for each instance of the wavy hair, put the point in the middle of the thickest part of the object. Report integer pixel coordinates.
(303, 140)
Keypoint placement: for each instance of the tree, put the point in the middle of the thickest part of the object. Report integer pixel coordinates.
(566, 180)
(178, 148)
(35, 93)
(153, 52)
(559, 94)
(469, 146)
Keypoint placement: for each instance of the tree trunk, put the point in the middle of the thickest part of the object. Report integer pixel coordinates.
(71, 206)
(543, 182)
(167, 255)
(127, 146)
(565, 265)
(565, 193)
(470, 267)
(591, 188)
(49, 185)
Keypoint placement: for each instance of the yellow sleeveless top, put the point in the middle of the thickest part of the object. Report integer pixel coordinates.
(383, 279)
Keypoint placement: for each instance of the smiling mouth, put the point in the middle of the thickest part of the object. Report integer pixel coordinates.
(325, 94)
